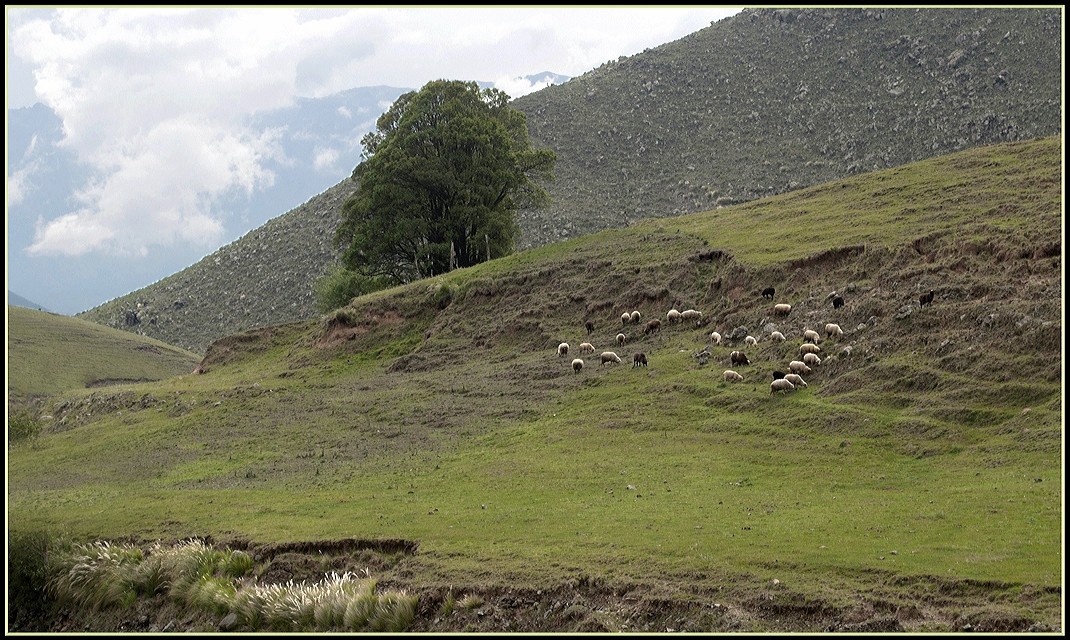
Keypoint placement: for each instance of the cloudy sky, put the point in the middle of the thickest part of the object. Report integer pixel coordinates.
(155, 102)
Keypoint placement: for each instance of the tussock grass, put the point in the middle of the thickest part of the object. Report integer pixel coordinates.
(102, 574)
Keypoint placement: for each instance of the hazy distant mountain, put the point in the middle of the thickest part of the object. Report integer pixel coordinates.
(18, 301)
(763, 102)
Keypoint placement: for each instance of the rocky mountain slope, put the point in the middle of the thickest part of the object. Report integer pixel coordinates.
(761, 103)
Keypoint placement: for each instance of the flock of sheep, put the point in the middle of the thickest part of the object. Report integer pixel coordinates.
(808, 355)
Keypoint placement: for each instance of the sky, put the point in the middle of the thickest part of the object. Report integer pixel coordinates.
(155, 101)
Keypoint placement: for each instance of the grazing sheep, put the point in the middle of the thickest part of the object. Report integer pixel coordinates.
(809, 348)
(738, 357)
(781, 384)
(621, 339)
(811, 359)
(776, 335)
(639, 359)
(590, 327)
(927, 298)
(837, 302)
(609, 356)
(625, 318)
(846, 350)
(577, 364)
(777, 375)
(833, 330)
(653, 326)
(690, 314)
(636, 317)
(812, 336)
(586, 347)
(796, 380)
(798, 366)
(768, 292)
(732, 376)
(673, 316)
(750, 340)
(715, 338)
(562, 349)
(782, 309)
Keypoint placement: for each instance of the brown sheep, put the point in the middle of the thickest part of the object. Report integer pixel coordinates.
(609, 356)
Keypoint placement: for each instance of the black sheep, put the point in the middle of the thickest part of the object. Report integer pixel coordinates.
(590, 327)
(777, 375)
(639, 359)
(927, 298)
(738, 357)
(837, 302)
(768, 292)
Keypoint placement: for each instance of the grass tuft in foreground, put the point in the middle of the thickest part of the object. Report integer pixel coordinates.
(102, 574)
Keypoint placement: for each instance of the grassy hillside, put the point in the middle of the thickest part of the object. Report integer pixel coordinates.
(762, 103)
(431, 435)
(49, 354)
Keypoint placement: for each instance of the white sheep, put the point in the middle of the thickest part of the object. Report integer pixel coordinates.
(715, 338)
(690, 314)
(782, 309)
(811, 359)
(809, 347)
(577, 364)
(625, 318)
(635, 317)
(609, 356)
(812, 336)
(776, 335)
(562, 349)
(732, 376)
(781, 384)
(586, 347)
(798, 366)
(796, 380)
(621, 339)
(750, 340)
(673, 316)
(833, 330)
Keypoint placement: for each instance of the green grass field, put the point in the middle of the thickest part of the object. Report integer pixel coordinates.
(918, 477)
(49, 353)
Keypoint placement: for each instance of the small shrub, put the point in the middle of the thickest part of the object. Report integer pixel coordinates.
(28, 597)
(443, 296)
(340, 286)
(22, 425)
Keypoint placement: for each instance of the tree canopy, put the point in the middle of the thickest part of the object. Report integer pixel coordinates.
(440, 180)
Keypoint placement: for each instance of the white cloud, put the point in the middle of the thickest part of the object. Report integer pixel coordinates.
(325, 158)
(147, 200)
(345, 112)
(516, 87)
(19, 184)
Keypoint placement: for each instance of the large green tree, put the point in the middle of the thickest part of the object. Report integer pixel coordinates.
(440, 181)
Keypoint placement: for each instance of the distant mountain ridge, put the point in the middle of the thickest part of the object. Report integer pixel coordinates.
(18, 301)
(761, 103)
